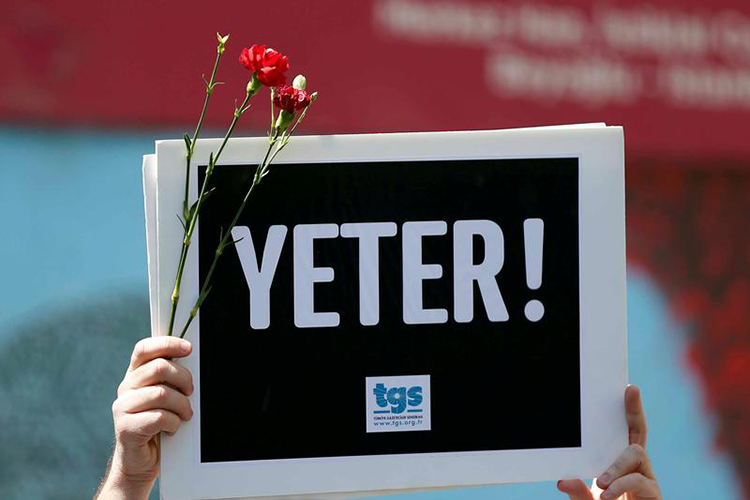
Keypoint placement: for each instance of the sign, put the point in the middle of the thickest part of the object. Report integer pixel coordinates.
(401, 311)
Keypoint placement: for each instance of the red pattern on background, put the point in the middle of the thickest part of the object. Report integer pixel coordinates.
(690, 228)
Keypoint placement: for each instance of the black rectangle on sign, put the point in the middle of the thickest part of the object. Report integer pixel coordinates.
(496, 383)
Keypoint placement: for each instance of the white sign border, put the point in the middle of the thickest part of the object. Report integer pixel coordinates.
(602, 301)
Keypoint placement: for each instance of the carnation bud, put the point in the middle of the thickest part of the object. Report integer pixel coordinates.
(300, 82)
(222, 41)
(253, 86)
(313, 96)
(285, 118)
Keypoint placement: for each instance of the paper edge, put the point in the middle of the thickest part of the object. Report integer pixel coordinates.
(149, 208)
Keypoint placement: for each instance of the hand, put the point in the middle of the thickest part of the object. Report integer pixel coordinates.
(152, 398)
(630, 476)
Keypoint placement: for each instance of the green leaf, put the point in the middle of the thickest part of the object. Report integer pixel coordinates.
(210, 167)
(182, 223)
(208, 193)
(194, 206)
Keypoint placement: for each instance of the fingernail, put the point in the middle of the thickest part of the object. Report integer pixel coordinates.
(605, 478)
(606, 495)
(185, 347)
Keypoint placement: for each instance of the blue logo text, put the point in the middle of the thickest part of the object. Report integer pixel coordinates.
(399, 398)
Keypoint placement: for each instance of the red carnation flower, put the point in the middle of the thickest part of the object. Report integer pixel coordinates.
(290, 99)
(266, 63)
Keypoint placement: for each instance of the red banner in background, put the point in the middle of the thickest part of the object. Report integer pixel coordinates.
(676, 74)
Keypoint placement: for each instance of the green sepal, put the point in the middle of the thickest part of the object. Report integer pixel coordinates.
(222, 39)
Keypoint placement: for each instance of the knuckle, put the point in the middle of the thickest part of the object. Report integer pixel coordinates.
(121, 428)
(141, 345)
(173, 421)
(187, 380)
(640, 481)
(615, 491)
(142, 427)
(161, 367)
(160, 393)
(614, 469)
(185, 409)
(637, 450)
(170, 342)
(139, 350)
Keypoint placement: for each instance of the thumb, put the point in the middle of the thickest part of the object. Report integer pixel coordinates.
(575, 489)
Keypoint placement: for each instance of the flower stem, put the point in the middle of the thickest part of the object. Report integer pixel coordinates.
(260, 172)
(273, 116)
(209, 91)
(225, 240)
(187, 216)
(201, 198)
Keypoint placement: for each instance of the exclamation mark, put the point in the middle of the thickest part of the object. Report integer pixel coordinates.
(533, 237)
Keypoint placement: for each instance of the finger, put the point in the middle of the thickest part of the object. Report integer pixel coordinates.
(633, 459)
(595, 490)
(575, 489)
(141, 427)
(636, 484)
(635, 416)
(154, 397)
(159, 371)
(158, 347)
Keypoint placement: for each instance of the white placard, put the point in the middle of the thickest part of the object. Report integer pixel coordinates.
(601, 261)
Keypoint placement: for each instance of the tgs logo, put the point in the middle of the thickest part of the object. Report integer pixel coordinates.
(398, 403)
(399, 399)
